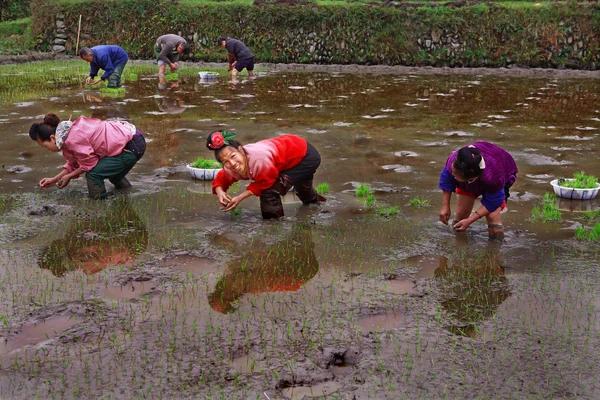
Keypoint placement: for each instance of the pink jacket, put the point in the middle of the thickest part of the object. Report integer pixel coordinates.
(91, 139)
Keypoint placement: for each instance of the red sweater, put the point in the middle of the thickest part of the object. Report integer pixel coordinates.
(266, 159)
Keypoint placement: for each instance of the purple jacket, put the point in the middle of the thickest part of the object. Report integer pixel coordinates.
(500, 171)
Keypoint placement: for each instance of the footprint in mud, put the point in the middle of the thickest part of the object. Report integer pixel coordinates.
(381, 322)
(37, 332)
(318, 390)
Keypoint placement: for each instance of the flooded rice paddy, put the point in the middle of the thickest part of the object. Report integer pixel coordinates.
(155, 293)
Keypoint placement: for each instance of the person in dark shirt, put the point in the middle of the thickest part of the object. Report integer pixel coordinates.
(167, 50)
(239, 56)
(110, 58)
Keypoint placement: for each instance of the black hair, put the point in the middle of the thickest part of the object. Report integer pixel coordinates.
(232, 143)
(44, 129)
(185, 48)
(467, 162)
(85, 51)
(220, 40)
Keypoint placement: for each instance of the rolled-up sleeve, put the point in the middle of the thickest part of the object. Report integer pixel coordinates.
(447, 181)
(224, 180)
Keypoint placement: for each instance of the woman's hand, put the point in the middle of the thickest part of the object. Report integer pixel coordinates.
(47, 182)
(233, 203)
(445, 213)
(462, 225)
(63, 181)
(223, 197)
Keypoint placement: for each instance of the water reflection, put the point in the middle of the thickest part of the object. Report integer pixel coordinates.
(281, 267)
(114, 237)
(476, 286)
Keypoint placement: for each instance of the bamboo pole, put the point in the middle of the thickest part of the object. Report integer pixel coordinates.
(78, 31)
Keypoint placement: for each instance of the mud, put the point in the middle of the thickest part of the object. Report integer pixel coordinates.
(157, 294)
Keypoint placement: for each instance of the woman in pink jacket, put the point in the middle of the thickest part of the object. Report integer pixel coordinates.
(273, 165)
(100, 149)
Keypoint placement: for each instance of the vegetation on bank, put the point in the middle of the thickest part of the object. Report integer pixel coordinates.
(16, 37)
(483, 34)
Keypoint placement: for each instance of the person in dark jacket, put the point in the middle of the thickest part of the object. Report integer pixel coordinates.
(239, 56)
(112, 59)
(167, 50)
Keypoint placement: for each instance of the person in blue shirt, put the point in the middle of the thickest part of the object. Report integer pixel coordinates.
(110, 58)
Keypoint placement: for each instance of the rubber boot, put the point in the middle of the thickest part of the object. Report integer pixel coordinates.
(122, 184)
(96, 192)
(307, 193)
(270, 199)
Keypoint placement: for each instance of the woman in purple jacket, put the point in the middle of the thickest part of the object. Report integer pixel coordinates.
(480, 169)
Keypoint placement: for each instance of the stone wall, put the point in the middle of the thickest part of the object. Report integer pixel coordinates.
(566, 36)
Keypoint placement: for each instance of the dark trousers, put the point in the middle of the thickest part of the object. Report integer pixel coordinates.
(300, 177)
(114, 79)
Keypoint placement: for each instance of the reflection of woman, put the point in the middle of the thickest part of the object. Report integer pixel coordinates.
(481, 169)
(477, 286)
(116, 237)
(283, 267)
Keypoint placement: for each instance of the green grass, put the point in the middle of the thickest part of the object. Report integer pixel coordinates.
(108, 90)
(206, 163)
(16, 37)
(322, 188)
(22, 82)
(548, 211)
(419, 202)
(580, 181)
(590, 235)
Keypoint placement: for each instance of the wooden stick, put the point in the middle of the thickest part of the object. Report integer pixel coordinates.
(78, 30)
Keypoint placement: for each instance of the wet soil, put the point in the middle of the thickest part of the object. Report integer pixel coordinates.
(155, 293)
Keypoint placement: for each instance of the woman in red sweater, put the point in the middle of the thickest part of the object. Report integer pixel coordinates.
(273, 166)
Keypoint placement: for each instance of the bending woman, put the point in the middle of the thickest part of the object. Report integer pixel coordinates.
(481, 169)
(100, 149)
(273, 166)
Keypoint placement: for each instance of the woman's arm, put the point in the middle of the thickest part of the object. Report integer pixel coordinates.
(64, 180)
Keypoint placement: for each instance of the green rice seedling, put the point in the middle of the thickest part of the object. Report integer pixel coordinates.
(590, 215)
(132, 77)
(580, 181)
(590, 235)
(370, 200)
(172, 77)
(363, 190)
(206, 163)
(387, 211)
(419, 202)
(548, 211)
(323, 188)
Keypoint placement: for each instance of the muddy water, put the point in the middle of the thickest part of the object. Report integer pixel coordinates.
(258, 291)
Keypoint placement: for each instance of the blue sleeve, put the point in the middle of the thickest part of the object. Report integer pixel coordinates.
(492, 201)
(94, 69)
(447, 181)
(108, 67)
